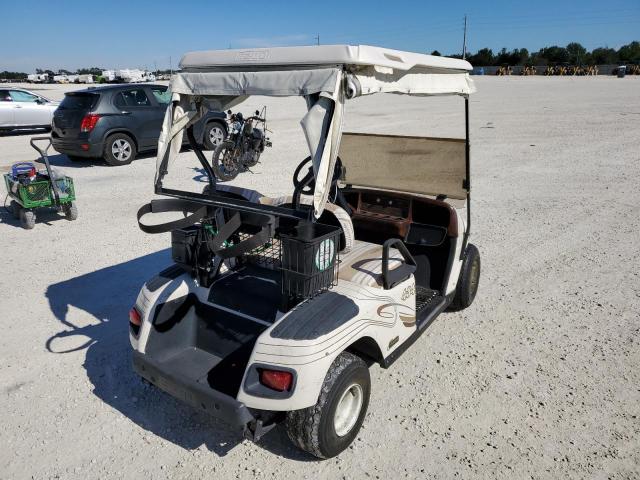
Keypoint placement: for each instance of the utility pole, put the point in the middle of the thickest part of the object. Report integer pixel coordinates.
(317, 39)
(170, 66)
(464, 39)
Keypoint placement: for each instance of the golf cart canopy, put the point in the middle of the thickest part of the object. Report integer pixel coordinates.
(325, 76)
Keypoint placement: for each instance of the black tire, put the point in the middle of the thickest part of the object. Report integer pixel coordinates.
(70, 211)
(213, 135)
(15, 208)
(468, 281)
(313, 429)
(119, 149)
(222, 171)
(27, 218)
(74, 158)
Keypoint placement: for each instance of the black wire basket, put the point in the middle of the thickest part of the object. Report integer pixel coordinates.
(309, 260)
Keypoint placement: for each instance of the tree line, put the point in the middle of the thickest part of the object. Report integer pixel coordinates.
(574, 53)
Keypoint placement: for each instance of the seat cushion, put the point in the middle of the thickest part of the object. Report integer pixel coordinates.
(363, 264)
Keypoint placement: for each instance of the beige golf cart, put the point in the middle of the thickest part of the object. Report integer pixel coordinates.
(276, 306)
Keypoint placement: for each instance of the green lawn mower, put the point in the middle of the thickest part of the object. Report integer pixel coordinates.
(30, 189)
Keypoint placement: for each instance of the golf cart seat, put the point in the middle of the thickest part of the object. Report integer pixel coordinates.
(244, 193)
(363, 264)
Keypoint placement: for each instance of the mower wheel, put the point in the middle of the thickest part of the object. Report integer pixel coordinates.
(27, 219)
(70, 210)
(15, 209)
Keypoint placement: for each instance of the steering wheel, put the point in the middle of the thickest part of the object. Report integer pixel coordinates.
(307, 184)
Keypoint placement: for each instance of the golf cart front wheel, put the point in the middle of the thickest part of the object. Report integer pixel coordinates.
(329, 427)
(70, 210)
(468, 281)
(27, 218)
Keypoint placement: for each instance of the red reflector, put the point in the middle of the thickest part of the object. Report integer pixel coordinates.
(89, 122)
(134, 316)
(84, 146)
(276, 379)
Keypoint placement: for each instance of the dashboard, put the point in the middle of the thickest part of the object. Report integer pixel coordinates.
(378, 216)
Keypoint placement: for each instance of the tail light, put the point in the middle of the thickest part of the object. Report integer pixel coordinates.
(276, 379)
(89, 122)
(135, 320)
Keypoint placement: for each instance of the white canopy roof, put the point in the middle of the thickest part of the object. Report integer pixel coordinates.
(322, 55)
(325, 75)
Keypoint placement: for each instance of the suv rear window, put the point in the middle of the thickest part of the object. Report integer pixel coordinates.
(78, 101)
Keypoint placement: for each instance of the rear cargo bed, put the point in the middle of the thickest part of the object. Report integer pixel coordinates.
(210, 343)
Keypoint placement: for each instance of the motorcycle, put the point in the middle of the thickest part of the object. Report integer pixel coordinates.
(243, 146)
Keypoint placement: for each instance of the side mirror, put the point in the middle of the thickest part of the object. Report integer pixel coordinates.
(40, 101)
(258, 113)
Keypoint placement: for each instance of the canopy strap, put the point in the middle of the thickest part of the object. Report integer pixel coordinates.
(171, 205)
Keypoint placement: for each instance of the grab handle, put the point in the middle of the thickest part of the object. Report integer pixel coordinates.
(41, 152)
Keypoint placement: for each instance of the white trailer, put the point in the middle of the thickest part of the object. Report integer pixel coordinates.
(38, 77)
(85, 78)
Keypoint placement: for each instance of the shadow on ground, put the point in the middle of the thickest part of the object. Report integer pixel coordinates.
(60, 160)
(23, 131)
(107, 294)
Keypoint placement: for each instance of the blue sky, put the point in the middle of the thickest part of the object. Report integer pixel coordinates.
(137, 34)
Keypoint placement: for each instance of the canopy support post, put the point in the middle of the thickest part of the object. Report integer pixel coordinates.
(203, 160)
(467, 181)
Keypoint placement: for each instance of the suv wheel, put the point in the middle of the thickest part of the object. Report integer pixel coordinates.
(214, 135)
(119, 149)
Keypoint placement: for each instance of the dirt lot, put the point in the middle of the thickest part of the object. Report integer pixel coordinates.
(538, 379)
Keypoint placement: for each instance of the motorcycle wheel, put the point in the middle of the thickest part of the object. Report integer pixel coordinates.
(226, 161)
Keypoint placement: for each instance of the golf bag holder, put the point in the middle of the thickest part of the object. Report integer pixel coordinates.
(305, 252)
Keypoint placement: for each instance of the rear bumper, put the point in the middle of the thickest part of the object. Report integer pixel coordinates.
(72, 147)
(200, 396)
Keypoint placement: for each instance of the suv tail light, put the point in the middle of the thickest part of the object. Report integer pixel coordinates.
(276, 379)
(135, 320)
(89, 122)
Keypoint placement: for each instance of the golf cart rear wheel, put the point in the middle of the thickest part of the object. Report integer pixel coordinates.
(119, 149)
(70, 210)
(469, 279)
(330, 426)
(15, 209)
(214, 135)
(27, 218)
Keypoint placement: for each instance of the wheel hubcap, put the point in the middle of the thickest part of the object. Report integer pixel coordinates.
(216, 135)
(348, 410)
(121, 150)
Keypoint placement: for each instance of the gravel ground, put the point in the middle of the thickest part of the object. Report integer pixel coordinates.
(538, 379)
